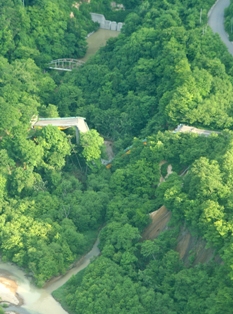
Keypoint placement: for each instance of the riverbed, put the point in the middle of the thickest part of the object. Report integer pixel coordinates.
(40, 301)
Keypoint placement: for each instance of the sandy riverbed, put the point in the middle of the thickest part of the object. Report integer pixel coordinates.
(8, 292)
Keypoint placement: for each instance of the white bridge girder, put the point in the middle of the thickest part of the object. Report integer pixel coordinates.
(62, 123)
(65, 64)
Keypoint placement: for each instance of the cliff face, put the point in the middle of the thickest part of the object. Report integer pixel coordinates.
(192, 249)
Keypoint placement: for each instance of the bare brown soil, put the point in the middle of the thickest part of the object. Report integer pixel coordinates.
(9, 284)
(160, 218)
(193, 249)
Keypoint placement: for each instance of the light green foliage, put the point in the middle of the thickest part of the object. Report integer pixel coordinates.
(201, 198)
(55, 147)
(39, 203)
(91, 143)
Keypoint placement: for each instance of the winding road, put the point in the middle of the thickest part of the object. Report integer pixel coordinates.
(216, 21)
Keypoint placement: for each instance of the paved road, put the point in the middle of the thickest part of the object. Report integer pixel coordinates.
(216, 22)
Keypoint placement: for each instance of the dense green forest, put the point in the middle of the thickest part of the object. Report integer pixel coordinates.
(165, 68)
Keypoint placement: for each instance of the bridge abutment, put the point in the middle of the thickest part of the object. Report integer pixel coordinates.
(105, 24)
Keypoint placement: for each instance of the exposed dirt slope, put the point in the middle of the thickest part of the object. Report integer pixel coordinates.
(192, 249)
(160, 218)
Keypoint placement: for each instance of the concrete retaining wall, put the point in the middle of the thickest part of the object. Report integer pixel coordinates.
(105, 24)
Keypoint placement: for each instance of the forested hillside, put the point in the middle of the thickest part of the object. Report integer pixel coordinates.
(165, 68)
(43, 30)
(147, 277)
(45, 210)
(161, 71)
(49, 212)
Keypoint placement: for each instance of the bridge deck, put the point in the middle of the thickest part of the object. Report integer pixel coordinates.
(78, 122)
(60, 69)
(189, 129)
(65, 64)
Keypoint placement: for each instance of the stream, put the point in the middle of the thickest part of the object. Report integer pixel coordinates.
(40, 301)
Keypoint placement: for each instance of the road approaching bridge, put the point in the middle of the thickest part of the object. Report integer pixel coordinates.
(216, 21)
(62, 123)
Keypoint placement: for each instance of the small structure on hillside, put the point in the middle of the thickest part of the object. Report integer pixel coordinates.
(105, 24)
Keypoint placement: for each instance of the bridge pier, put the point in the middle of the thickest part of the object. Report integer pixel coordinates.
(77, 133)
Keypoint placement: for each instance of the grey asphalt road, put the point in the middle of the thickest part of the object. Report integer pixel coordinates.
(216, 22)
